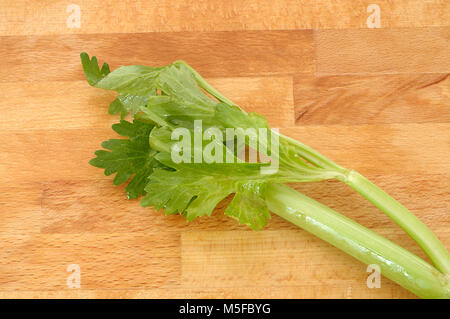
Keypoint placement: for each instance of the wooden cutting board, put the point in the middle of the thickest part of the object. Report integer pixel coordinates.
(373, 99)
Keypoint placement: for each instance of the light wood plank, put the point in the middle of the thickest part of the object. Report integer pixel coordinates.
(156, 16)
(358, 99)
(98, 206)
(24, 17)
(374, 51)
(44, 105)
(106, 261)
(39, 105)
(213, 54)
(381, 149)
(271, 292)
(269, 96)
(20, 208)
(341, 14)
(51, 155)
(270, 258)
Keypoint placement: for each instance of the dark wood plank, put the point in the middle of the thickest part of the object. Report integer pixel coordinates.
(213, 54)
(359, 99)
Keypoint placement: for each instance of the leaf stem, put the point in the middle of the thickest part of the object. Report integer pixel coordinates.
(395, 262)
(205, 85)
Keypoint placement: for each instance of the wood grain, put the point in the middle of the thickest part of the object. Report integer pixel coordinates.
(105, 260)
(213, 54)
(342, 14)
(375, 100)
(25, 17)
(49, 155)
(381, 149)
(93, 206)
(372, 99)
(250, 259)
(40, 105)
(20, 206)
(270, 96)
(374, 51)
(295, 292)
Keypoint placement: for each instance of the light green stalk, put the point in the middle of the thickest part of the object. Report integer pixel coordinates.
(402, 217)
(395, 262)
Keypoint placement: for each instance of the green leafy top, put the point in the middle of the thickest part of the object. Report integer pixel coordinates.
(163, 99)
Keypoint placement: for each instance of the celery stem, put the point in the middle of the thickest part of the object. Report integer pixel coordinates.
(403, 217)
(395, 262)
(397, 212)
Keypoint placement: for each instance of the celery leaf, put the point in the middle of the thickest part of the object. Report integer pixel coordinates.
(130, 157)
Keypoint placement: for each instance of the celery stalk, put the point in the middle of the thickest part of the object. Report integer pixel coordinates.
(403, 217)
(395, 262)
(392, 208)
(163, 99)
